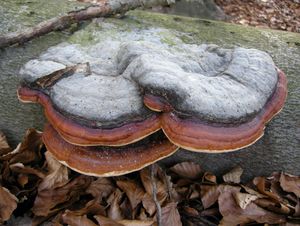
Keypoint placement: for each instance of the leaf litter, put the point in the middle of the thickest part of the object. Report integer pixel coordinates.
(33, 185)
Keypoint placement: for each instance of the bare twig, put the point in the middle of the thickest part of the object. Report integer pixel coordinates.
(154, 192)
(104, 8)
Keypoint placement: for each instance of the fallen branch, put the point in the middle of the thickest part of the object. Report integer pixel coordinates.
(104, 8)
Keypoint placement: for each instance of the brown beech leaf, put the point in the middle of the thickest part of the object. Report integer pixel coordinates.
(209, 195)
(57, 176)
(93, 207)
(8, 203)
(104, 221)
(292, 224)
(48, 201)
(4, 147)
(253, 192)
(134, 192)
(297, 209)
(146, 180)
(194, 193)
(188, 170)
(243, 199)
(101, 188)
(209, 178)
(12, 153)
(168, 185)
(149, 204)
(261, 184)
(136, 223)
(20, 168)
(127, 211)
(170, 215)
(74, 220)
(114, 212)
(233, 214)
(161, 187)
(143, 215)
(273, 206)
(5, 172)
(290, 183)
(29, 150)
(234, 175)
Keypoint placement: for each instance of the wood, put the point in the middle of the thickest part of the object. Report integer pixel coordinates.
(104, 8)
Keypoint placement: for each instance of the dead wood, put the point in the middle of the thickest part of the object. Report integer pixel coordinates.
(103, 8)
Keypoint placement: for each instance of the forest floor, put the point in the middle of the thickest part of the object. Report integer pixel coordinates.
(275, 14)
(36, 189)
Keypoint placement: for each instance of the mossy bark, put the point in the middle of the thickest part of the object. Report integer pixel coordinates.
(277, 150)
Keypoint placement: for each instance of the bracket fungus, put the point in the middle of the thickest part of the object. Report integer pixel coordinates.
(108, 161)
(219, 103)
(204, 98)
(85, 107)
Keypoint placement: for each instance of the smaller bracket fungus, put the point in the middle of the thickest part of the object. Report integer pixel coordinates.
(108, 161)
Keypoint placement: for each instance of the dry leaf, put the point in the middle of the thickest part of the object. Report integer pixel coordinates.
(72, 219)
(104, 221)
(143, 215)
(290, 183)
(114, 212)
(253, 192)
(12, 153)
(209, 195)
(20, 168)
(297, 209)
(101, 188)
(170, 215)
(92, 207)
(49, 200)
(161, 187)
(57, 176)
(149, 204)
(4, 147)
(243, 199)
(234, 215)
(134, 192)
(135, 223)
(194, 193)
(263, 187)
(208, 177)
(8, 203)
(168, 184)
(273, 206)
(188, 170)
(29, 150)
(234, 175)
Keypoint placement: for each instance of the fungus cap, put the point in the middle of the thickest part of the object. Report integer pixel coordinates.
(108, 161)
(219, 103)
(87, 103)
(204, 97)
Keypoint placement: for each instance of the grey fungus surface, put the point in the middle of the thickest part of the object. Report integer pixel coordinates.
(204, 97)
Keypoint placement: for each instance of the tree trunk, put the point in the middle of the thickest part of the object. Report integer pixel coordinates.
(103, 9)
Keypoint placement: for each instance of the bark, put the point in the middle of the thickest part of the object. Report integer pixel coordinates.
(103, 9)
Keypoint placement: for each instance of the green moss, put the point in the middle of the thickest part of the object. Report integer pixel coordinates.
(199, 31)
(18, 14)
